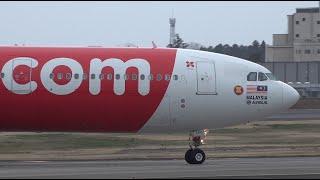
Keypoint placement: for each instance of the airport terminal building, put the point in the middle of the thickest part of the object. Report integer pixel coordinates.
(302, 43)
(294, 57)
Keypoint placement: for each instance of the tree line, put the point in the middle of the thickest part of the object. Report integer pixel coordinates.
(254, 52)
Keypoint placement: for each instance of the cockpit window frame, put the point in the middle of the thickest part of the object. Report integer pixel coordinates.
(249, 75)
(271, 76)
(263, 75)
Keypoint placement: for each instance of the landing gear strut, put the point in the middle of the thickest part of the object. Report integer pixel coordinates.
(195, 155)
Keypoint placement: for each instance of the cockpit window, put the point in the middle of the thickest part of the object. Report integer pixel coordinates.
(271, 76)
(262, 77)
(252, 76)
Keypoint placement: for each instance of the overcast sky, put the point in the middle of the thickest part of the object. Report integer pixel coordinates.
(115, 23)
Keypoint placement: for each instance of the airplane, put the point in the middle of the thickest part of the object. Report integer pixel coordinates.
(134, 90)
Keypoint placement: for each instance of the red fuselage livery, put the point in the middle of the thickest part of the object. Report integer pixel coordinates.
(80, 109)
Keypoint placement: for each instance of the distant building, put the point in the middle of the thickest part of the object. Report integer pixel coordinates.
(302, 43)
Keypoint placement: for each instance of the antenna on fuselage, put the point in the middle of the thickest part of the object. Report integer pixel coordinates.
(154, 45)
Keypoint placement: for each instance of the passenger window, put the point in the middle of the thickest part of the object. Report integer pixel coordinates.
(126, 77)
(134, 77)
(183, 77)
(262, 77)
(101, 76)
(159, 77)
(142, 77)
(76, 76)
(252, 76)
(93, 76)
(60, 76)
(167, 77)
(150, 77)
(175, 77)
(109, 76)
(117, 76)
(2, 75)
(84, 76)
(51, 75)
(68, 76)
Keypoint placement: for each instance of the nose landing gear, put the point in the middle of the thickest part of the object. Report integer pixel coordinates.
(195, 155)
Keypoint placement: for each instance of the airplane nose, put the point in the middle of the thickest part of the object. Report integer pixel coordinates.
(290, 95)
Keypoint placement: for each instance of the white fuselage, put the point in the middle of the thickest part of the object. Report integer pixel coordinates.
(186, 106)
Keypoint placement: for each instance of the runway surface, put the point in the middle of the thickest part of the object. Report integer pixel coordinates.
(293, 167)
(297, 114)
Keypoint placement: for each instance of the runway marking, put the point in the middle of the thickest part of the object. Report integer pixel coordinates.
(35, 161)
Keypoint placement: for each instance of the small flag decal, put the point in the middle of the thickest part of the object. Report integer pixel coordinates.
(257, 89)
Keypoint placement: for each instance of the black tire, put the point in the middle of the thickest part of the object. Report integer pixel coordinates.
(188, 157)
(198, 156)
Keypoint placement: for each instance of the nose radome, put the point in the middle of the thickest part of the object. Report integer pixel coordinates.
(290, 95)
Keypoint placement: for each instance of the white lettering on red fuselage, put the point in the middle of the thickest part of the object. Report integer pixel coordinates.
(120, 67)
(96, 67)
(8, 80)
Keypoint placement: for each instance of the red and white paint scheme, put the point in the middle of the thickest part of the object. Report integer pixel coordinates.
(134, 90)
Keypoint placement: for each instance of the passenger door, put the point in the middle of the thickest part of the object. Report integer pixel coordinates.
(206, 78)
(21, 76)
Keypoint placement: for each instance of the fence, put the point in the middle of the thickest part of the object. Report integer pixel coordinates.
(303, 76)
(295, 71)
